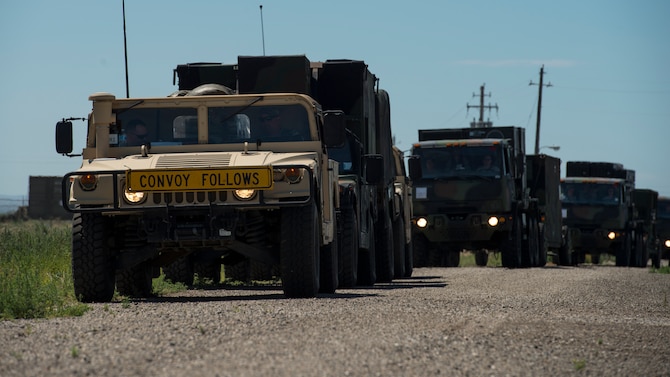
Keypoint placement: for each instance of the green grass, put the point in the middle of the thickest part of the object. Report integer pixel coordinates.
(35, 273)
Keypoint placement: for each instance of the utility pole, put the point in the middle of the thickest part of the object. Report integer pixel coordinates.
(539, 109)
(481, 107)
(262, 29)
(125, 46)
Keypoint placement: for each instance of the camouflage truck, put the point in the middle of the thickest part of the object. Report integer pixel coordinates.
(208, 175)
(663, 222)
(599, 212)
(471, 193)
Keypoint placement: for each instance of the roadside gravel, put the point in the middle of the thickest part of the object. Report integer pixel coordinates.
(551, 321)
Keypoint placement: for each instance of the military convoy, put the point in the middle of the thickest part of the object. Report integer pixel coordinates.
(473, 191)
(605, 214)
(233, 166)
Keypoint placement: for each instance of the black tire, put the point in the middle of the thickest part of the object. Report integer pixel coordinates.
(511, 245)
(384, 250)
(409, 259)
(399, 245)
(299, 251)
(622, 258)
(367, 270)
(542, 248)
(641, 253)
(481, 258)
(656, 258)
(135, 281)
(240, 271)
(595, 258)
(453, 258)
(93, 270)
(329, 271)
(530, 249)
(180, 271)
(209, 271)
(565, 252)
(420, 249)
(348, 262)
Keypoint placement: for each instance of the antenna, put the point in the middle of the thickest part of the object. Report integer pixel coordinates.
(262, 30)
(125, 47)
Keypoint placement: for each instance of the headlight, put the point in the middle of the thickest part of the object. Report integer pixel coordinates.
(611, 235)
(290, 175)
(88, 182)
(667, 243)
(134, 197)
(422, 222)
(493, 221)
(244, 194)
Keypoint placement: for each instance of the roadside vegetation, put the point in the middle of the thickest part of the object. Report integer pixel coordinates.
(36, 275)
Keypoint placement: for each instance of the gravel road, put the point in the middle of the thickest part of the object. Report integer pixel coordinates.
(551, 321)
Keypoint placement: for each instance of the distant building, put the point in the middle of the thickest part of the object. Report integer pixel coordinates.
(45, 199)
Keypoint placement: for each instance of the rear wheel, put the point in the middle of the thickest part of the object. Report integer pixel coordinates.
(299, 251)
(399, 245)
(623, 252)
(93, 270)
(348, 263)
(180, 271)
(511, 245)
(409, 259)
(384, 250)
(329, 267)
(420, 248)
(367, 270)
(481, 257)
(135, 281)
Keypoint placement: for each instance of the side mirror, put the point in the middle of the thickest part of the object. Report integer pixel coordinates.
(64, 137)
(414, 164)
(373, 168)
(333, 132)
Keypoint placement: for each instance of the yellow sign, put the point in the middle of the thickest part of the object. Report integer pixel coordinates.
(198, 180)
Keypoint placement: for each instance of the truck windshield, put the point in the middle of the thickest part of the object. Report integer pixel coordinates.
(458, 161)
(591, 193)
(179, 125)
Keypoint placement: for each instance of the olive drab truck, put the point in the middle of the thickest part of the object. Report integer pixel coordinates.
(471, 193)
(600, 213)
(212, 176)
(349, 86)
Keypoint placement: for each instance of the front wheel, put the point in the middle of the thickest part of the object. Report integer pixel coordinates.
(481, 257)
(399, 245)
(348, 262)
(93, 270)
(299, 251)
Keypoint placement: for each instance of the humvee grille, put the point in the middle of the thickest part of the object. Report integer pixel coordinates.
(186, 198)
(176, 161)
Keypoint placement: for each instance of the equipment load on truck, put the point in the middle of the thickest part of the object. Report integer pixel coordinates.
(230, 168)
(601, 213)
(471, 191)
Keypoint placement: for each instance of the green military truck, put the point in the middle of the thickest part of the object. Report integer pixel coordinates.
(600, 213)
(470, 192)
(238, 171)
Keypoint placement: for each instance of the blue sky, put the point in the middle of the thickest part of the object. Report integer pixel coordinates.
(608, 62)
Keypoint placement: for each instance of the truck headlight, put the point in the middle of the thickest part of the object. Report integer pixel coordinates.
(422, 222)
(290, 175)
(244, 194)
(88, 182)
(667, 243)
(493, 221)
(134, 197)
(611, 235)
